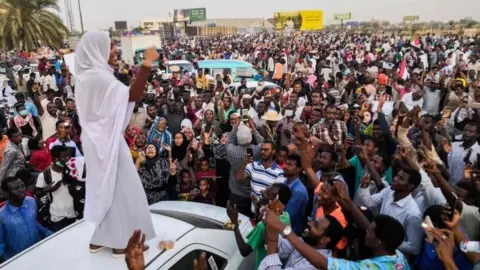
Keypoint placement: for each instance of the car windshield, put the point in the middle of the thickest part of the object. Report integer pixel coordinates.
(182, 66)
(195, 220)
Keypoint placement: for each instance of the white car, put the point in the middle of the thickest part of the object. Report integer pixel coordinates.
(182, 64)
(252, 85)
(193, 227)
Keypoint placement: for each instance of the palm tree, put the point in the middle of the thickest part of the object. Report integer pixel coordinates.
(28, 23)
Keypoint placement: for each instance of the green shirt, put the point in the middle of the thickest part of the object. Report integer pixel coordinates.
(359, 171)
(256, 239)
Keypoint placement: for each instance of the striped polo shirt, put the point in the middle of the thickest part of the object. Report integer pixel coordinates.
(262, 177)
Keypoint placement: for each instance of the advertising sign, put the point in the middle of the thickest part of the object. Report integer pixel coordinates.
(121, 25)
(198, 14)
(189, 15)
(342, 16)
(352, 24)
(411, 18)
(299, 20)
(181, 15)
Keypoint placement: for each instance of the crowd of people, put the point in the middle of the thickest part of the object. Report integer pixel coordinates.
(362, 140)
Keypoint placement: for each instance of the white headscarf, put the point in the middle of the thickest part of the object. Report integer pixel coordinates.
(104, 111)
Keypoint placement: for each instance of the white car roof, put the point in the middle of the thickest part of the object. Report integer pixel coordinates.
(176, 62)
(68, 249)
(254, 84)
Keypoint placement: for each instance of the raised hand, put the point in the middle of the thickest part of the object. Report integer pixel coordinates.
(340, 187)
(232, 213)
(201, 264)
(166, 147)
(151, 55)
(134, 251)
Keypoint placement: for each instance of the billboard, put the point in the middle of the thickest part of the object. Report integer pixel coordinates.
(411, 18)
(299, 20)
(342, 16)
(189, 15)
(352, 24)
(181, 15)
(121, 25)
(198, 14)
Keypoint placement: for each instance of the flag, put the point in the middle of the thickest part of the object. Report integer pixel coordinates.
(403, 73)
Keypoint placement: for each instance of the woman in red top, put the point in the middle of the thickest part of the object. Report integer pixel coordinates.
(40, 159)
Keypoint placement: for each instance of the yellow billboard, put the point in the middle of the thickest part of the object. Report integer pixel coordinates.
(299, 20)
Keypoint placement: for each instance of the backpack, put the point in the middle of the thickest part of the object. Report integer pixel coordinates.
(44, 202)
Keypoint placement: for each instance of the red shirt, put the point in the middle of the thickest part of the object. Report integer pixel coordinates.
(41, 159)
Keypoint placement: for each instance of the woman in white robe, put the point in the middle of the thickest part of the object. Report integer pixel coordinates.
(115, 199)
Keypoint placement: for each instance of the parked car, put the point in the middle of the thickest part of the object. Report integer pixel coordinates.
(252, 85)
(236, 68)
(182, 64)
(193, 227)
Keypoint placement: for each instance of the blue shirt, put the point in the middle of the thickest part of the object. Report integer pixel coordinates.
(428, 259)
(30, 107)
(393, 262)
(19, 228)
(297, 205)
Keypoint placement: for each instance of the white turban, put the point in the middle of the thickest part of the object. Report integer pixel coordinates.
(244, 136)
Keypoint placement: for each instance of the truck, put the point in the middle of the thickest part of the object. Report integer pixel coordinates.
(133, 47)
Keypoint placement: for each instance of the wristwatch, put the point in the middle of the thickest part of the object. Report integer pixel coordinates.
(286, 231)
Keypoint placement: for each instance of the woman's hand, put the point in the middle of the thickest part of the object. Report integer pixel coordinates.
(173, 167)
(167, 147)
(141, 157)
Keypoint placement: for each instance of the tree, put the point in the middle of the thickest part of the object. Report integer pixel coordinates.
(28, 23)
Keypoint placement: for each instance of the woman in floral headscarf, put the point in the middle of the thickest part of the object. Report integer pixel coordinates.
(159, 136)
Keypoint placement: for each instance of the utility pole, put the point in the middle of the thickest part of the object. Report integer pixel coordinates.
(81, 17)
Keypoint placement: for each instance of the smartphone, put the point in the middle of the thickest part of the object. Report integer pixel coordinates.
(208, 127)
(277, 205)
(244, 112)
(452, 202)
(427, 223)
(250, 152)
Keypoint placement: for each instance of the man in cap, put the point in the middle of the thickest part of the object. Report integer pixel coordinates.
(239, 140)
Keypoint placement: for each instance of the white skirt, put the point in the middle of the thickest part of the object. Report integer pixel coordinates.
(129, 210)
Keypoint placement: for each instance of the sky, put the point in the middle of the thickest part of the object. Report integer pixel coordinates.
(101, 14)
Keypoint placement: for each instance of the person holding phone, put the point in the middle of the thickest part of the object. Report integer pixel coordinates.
(239, 140)
(261, 173)
(62, 137)
(281, 194)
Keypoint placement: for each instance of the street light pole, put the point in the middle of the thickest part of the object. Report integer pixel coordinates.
(81, 17)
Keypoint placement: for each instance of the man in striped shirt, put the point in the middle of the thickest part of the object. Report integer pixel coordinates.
(261, 173)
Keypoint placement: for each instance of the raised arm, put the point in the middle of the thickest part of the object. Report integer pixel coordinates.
(306, 156)
(136, 89)
(36, 102)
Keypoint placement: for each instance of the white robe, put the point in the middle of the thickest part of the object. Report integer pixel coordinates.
(115, 199)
